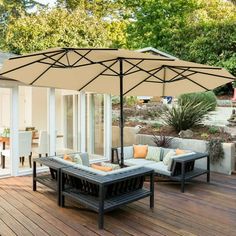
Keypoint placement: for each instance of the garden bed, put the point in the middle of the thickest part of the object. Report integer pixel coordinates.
(200, 132)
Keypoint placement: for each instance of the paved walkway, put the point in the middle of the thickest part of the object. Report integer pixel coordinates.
(220, 117)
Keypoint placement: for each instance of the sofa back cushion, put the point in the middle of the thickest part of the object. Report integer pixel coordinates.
(154, 153)
(128, 152)
(85, 158)
(164, 151)
(73, 158)
(171, 155)
(62, 161)
(140, 151)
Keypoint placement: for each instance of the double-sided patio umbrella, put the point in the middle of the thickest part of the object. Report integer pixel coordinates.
(113, 71)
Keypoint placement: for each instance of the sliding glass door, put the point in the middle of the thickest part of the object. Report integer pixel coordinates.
(95, 124)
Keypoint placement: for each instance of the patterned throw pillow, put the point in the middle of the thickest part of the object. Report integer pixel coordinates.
(113, 166)
(168, 157)
(154, 154)
(77, 159)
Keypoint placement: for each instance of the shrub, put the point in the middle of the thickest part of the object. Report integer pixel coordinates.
(130, 101)
(185, 116)
(205, 135)
(156, 126)
(162, 140)
(213, 130)
(204, 97)
(115, 100)
(215, 151)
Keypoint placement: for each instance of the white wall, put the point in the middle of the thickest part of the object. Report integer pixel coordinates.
(5, 106)
(39, 108)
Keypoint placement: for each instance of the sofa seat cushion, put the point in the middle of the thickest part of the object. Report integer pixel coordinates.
(160, 168)
(102, 168)
(138, 161)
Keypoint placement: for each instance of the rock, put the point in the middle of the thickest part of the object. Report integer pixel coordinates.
(188, 133)
(137, 128)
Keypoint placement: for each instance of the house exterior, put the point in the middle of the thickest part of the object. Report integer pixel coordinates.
(77, 118)
(157, 52)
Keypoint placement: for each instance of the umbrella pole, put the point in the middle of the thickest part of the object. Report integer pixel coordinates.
(121, 116)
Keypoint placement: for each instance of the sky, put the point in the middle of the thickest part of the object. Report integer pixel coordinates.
(50, 2)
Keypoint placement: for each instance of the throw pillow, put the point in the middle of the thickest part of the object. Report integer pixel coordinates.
(154, 154)
(113, 166)
(102, 168)
(68, 158)
(140, 151)
(170, 167)
(179, 151)
(168, 156)
(77, 159)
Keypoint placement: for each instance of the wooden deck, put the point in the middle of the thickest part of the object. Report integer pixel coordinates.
(204, 209)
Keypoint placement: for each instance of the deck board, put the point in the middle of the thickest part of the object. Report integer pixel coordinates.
(204, 209)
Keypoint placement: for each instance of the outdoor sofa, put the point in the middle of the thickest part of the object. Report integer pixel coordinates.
(98, 190)
(179, 167)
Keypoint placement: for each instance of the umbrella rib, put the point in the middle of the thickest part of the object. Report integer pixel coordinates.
(173, 79)
(179, 73)
(48, 68)
(96, 77)
(130, 73)
(82, 56)
(52, 60)
(133, 67)
(140, 69)
(196, 67)
(181, 78)
(27, 64)
(145, 80)
(55, 66)
(36, 54)
(67, 58)
(147, 59)
(151, 81)
(92, 62)
(205, 73)
(186, 77)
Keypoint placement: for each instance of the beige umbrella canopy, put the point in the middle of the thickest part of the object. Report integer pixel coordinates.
(113, 71)
(99, 70)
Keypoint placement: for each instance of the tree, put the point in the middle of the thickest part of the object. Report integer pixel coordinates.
(55, 28)
(195, 30)
(111, 12)
(100, 8)
(15, 8)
